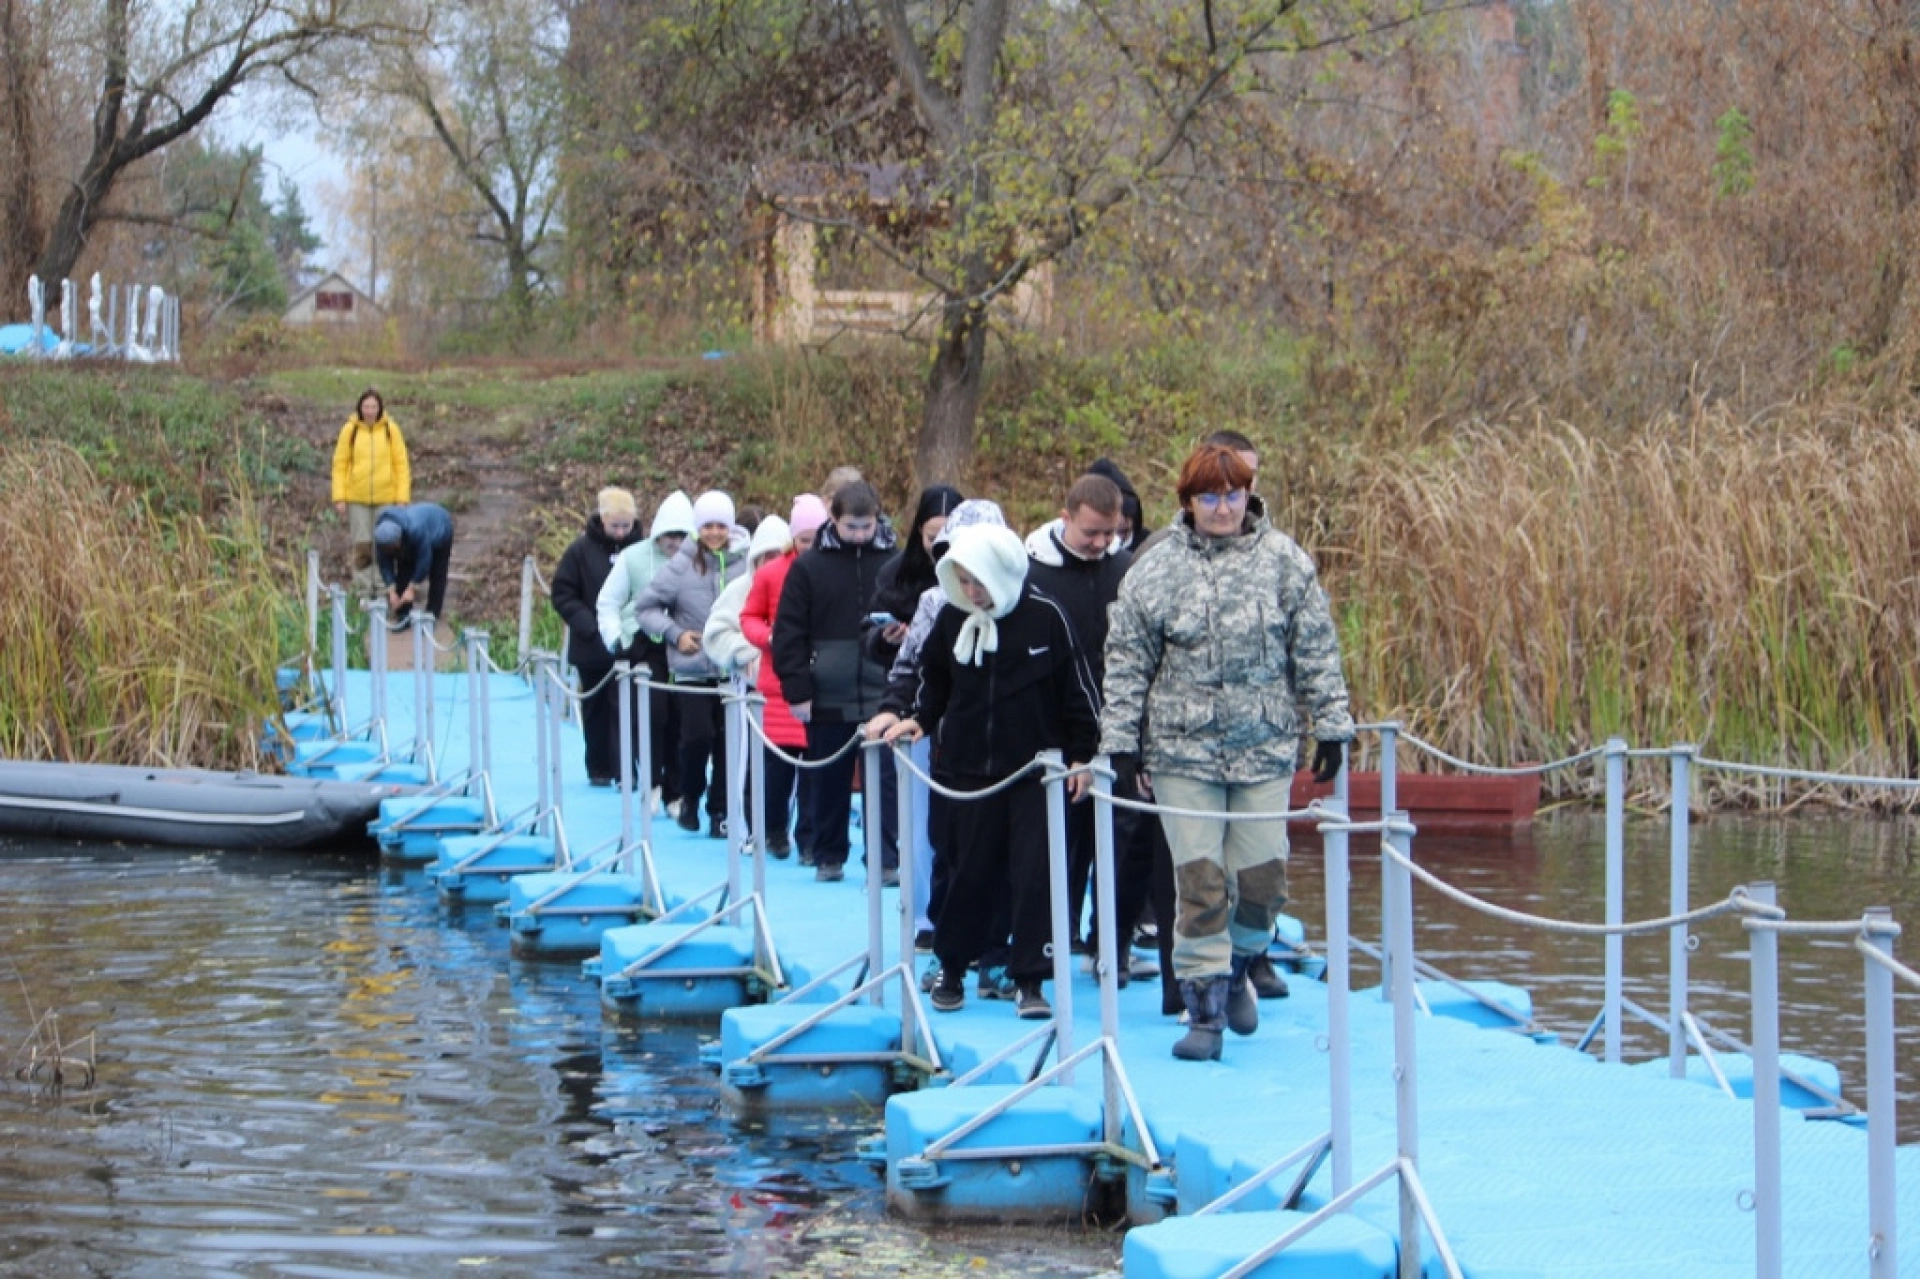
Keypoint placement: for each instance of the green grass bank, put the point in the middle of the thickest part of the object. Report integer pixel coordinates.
(1512, 590)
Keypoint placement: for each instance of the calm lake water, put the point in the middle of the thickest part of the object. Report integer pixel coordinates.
(306, 1068)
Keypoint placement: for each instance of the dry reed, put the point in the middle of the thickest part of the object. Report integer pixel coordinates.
(126, 636)
(1525, 592)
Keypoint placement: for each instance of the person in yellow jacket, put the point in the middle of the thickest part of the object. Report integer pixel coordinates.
(370, 471)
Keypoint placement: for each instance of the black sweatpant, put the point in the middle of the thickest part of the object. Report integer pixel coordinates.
(996, 855)
(703, 745)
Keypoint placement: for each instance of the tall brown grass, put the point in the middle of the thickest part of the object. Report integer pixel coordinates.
(1749, 586)
(127, 636)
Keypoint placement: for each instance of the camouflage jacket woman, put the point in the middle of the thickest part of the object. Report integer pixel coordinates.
(1212, 646)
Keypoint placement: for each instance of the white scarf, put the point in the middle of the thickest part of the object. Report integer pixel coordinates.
(998, 561)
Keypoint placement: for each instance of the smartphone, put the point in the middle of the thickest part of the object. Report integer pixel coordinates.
(881, 619)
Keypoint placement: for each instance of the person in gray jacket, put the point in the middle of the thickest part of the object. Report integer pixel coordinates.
(675, 607)
(1221, 629)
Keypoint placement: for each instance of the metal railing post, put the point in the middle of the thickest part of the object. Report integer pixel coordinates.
(623, 693)
(526, 606)
(1106, 910)
(426, 660)
(313, 602)
(1389, 742)
(475, 643)
(1406, 1090)
(541, 743)
(1389, 768)
(732, 726)
(1680, 817)
(1336, 843)
(753, 723)
(1616, 759)
(643, 735)
(337, 608)
(1883, 1245)
(379, 659)
(870, 827)
(422, 686)
(484, 701)
(556, 716)
(909, 880)
(1764, 951)
(1113, 950)
(1058, 947)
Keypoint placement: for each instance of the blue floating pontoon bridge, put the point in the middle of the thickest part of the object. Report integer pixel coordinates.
(1425, 1126)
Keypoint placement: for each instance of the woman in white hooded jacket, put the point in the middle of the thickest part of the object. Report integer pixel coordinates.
(728, 648)
(675, 607)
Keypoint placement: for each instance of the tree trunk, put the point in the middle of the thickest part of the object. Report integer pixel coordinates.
(953, 396)
(20, 226)
(68, 239)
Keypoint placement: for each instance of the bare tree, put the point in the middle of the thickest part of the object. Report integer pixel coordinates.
(1045, 118)
(161, 72)
(488, 83)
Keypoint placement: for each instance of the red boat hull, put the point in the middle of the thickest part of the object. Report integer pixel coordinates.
(1438, 804)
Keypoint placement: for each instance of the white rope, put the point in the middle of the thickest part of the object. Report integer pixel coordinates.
(905, 760)
(1736, 901)
(1887, 962)
(450, 646)
(1311, 812)
(1827, 927)
(1804, 775)
(1490, 770)
(519, 668)
(759, 730)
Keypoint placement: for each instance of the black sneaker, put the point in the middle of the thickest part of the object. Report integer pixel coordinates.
(949, 994)
(829, 873)
(923, 942)
(716, 828)
(1029, 1004)
(689, 818)
(806, 859)
(780, 846)
(600, 782)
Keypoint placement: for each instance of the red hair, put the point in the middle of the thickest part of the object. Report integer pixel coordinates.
(1212, 468)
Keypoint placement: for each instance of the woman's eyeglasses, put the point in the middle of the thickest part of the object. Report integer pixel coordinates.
(1214, 501)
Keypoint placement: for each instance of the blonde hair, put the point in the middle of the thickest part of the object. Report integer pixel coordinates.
(838, 478)
(617, 501)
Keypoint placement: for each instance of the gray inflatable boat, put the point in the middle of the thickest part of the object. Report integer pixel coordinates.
(185, 806)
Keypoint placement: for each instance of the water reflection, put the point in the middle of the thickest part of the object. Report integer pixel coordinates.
(305, 1067)
(1824, 868)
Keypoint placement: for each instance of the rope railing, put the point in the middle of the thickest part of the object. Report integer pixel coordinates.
(1808, 775)
(1487, 770)
(1735, 902)
(1886, 961)
(1036, 764)
(853, 743)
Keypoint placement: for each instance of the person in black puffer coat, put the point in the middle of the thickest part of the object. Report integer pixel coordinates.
(577, 579)
(831, 685)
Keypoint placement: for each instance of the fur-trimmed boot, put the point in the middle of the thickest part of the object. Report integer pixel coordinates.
(1206, 1001)
(1243, 1011)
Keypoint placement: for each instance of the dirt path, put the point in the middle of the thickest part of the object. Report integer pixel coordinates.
(497, 504)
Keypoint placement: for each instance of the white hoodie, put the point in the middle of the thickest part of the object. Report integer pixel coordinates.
(634, 570)
(725, 645)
